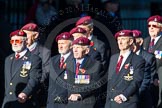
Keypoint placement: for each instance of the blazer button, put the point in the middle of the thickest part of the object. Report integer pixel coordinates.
(112, 89)
(11, 84)
(10, 93)
(111, 99)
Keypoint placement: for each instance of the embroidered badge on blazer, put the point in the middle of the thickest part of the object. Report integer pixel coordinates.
(82, 79)
(26, 66)
(129, 76)
(158, 54)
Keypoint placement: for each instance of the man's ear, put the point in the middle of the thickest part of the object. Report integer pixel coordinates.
(141, 41)
(36, 34)
(87, 50)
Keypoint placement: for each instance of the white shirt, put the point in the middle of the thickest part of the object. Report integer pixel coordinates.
(156, 39)
(125, 56)
(21, 53)
(66, 56)
(90, 37)
(79, 61)
(138, 52)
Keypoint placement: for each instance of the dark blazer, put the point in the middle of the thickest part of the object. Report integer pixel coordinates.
(87, 91)
(150, 66)
(57, 83)
(101, 48)
(94, 54)
(17, 80)
(45, 54)
(119, 84)
(157, 46)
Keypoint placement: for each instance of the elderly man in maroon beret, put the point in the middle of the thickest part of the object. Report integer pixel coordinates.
(57, 93)
(150, 66)
(82, 76)
(86, 23)
(22, 74)
(153, 44)
(81, 32)
(125, 74)
(32, 31)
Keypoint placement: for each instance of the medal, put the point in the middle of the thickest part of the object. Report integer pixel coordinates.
(131, 70)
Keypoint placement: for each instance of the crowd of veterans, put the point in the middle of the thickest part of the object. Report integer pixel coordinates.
(83, 74)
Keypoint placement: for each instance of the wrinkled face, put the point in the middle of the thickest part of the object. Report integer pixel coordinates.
(137, 44)
(79, 51)
(31, 37)
(77, 35)
(154, 29)
(64, 46)
(138, 41)
(18, 44)
(124, 43)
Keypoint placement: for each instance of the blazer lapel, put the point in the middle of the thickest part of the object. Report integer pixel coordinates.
(146, 46)
(122, 71)
(158, 44)
(9, 70)
(20, 63)
(112, 68)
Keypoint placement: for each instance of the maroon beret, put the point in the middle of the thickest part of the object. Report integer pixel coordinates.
(125, 33)
(30, 27)
(18, 33)
(63, 36)
(82, 41)
(155, 18)
(84, 21)
(77, 30)
(137, 33)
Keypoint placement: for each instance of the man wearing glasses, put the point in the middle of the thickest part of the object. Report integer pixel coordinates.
(153, 44)
(22, 74)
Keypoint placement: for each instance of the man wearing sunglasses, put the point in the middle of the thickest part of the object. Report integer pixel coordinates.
(153, 44)
(31, 29)
(22, 74)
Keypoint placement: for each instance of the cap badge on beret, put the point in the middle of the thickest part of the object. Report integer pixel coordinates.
(155, 19)
(79, 30)
(121, 33)
(80, 42)
(21, 33)
(30, 27)
(64, 36)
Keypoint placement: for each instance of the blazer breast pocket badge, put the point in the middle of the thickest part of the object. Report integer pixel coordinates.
(26, 66)
(82, 79)
(129, 76)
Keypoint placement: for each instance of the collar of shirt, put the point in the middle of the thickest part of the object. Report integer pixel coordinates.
(79, 60)
(125, 56)
(90, 37)
(33, 46)
(66, 56)
(22, 53)
(138, 52)
(156, 39)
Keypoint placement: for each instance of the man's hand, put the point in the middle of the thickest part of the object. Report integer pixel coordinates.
(118, 99)
(74, 97)
(22, 97)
